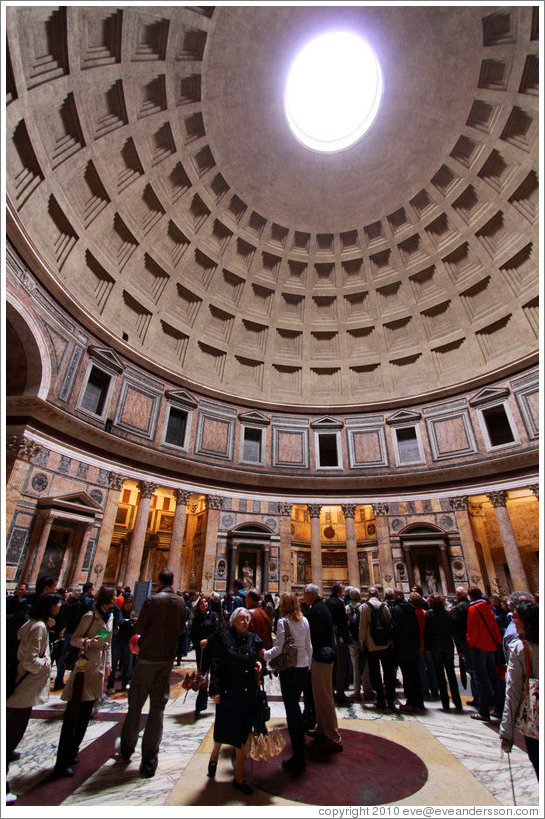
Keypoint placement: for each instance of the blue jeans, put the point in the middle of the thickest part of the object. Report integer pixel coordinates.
(292, 685)
(484, 665)
(428, 677)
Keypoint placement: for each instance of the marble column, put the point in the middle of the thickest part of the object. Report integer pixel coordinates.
(115, 483)
(19, 454)
(474, 570)
(409, 562)
(449, 580)
(86, 528)
(47, 523)
(489, 570)
(316, 572)
(214, 504)
(139, 534)
(285, 547)
(265, 569)
(380, 511)
(510, 545)
(233, 556)
(177, 539)
(349, 512)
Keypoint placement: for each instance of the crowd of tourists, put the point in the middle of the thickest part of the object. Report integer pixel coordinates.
(328, 651)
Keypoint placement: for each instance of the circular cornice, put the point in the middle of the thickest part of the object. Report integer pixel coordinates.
(166, 204)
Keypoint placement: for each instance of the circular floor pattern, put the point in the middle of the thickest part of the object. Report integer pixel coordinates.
(370, 771)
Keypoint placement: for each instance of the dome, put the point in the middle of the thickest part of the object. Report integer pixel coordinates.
(172, 210)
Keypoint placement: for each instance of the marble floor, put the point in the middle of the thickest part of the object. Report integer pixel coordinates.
(462, 755)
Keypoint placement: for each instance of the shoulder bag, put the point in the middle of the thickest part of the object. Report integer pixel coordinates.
(74, 652)
(288, 657)
(527, 719)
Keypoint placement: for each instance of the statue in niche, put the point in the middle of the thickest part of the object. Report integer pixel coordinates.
(301, 578)
(431, 581)
(364, 571)
(247, 575)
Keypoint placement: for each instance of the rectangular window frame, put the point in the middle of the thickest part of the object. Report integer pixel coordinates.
(399, 461)
(112, 375)
(189, 413)
(256, 428)
(336, 433)
(484, 426)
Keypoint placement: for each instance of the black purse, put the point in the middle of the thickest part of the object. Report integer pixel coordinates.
(74, 652)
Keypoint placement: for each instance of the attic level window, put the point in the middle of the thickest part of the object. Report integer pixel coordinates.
(333, 91)
(498, 426)
(176, 427)
(327, 450)
(252, 445)
(407, 444)
(96, 391)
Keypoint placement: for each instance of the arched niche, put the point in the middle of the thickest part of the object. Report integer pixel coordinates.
(248, 549)
(28, 368)
(426, 551)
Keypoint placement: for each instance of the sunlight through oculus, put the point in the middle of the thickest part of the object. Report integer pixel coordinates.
(333, 91)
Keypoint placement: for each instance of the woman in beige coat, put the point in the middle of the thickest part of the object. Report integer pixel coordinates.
(33, 670)
(94, 635)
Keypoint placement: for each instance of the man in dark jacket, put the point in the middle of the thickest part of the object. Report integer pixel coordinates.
(407, 646)
(336, 606)
(458, 615)
(321, 671)
(161, 620)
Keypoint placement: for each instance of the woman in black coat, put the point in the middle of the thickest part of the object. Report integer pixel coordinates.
(205, 630)
(439, 642)
(234, 676)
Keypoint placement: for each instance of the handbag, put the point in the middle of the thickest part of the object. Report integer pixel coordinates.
(288, 657)
(527, 719)
(262, 711)
(74, 652)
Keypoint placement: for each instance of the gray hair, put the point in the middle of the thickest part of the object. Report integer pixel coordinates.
(312, 588)
(514, 599)
(388, 594)
(355, 593)
(372, 591)
(235, 614)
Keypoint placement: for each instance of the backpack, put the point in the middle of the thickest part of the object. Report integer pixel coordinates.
(354, 622)
(381, 630)
(72, 612)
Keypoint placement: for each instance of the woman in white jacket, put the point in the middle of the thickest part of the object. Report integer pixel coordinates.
(526, 619)
(94, 635)
(33, 670)
(293, 680)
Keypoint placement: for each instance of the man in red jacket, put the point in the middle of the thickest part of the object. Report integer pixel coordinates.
(483, 637)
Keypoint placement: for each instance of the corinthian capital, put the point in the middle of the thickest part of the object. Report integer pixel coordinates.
(285, 509)
(380, 509)
(349, 510)
(459, 503)
(498, 497)
(182, 496)
(314, 509)
(115, 481)
(214, 501)
(20, 447)
(146, 488)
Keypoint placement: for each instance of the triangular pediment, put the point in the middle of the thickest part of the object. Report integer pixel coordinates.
(404, 417)
(107, 357)
(254, 417)
(79, 502)
(182, 397)
(327, 422)
(489, 394)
